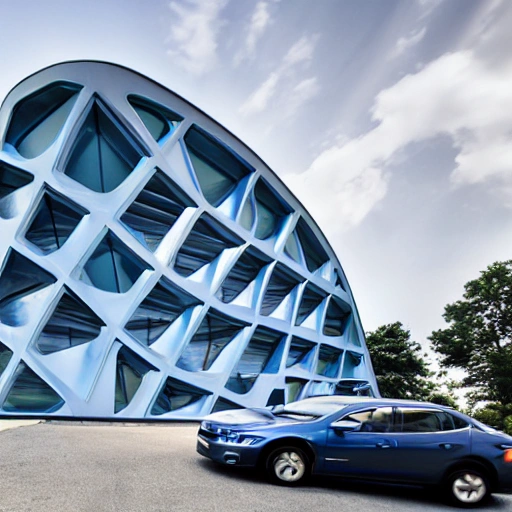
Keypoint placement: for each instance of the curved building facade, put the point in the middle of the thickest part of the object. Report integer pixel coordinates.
(151, 265)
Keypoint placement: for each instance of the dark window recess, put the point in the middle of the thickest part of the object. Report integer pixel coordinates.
(54, 220)
(18, 278)
(158, 120)
(207, 239)
(263, 354)
(175, 395)
(336, 318)
(104, 153)
(30, 393)
(276, 397)
(130, 371)
(281, 283)
(5, 357)
(339, 281)
(270, 210)
(242, 274)
(217, 167)
(312, 297)
(113, 267)
(352, 360)
(301, 353)
(304, 240)
(156, 209)
(12, 179)
(72, 323)
(222, 404)
(158, 310)
(329, 361)
(38, 118)
(294, 387)
(214, 333)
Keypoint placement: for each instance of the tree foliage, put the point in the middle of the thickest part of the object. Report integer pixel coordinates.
(399, 367)
(478, 339)
(479, 336)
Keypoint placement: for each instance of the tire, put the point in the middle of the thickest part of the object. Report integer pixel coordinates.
(467, 488)
(288, 465)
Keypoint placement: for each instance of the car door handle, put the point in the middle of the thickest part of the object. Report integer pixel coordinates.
(383, 445)
(446, 446)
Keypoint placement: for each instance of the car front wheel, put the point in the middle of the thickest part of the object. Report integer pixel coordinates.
(467, 488)
(287, 465)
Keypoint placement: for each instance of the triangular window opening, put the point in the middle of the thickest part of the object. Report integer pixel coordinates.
(213, 335)
(159, 121)
(130, 372)
(245, 270)
(104, 153)
(156, 209)
(217, 167)
(53, 222)
(175, 395)
(113, 267)
(30, 393)
(207, 239)
(281, 283)
(71, 324)
(12, 179)
(38, 118)
(256, 359)
(158, 310)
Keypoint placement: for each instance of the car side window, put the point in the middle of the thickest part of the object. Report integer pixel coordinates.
(372, 420)
(423, 420)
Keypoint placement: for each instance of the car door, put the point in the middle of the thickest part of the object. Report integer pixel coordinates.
(426, 442)
(365, 452)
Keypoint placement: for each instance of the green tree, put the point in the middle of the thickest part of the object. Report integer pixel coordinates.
(478, 339)
(399, 367)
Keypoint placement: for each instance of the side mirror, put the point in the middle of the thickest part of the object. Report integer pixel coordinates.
(346, 425)
(277, 409)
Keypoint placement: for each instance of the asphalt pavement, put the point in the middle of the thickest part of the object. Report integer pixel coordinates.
(96, 467)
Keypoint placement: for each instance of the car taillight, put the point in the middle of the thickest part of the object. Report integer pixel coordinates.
(507, 456)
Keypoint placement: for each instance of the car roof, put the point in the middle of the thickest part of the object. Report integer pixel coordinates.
(370, 401)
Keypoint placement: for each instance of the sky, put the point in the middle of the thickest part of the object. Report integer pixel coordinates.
(390, 120)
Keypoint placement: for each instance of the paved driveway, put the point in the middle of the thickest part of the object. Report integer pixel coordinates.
(97, 467)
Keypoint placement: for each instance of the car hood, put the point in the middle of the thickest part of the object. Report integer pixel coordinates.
(246, 417)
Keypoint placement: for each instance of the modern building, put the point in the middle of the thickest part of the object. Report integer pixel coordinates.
(151, 265)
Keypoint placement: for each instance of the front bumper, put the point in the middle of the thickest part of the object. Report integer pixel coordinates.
(227, 453)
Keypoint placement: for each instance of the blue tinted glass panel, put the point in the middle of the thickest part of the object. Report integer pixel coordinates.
(38, 119)
(218, 168)
(214, 333)
(53, 222)
(30, 393)
(156, 209)
(72, 323)
(158, 310)
(104, 153)
(113, 267)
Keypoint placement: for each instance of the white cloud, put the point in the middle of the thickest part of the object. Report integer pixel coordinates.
(455, 95)
(300, 94)
(428, 6)
(301, 51)
(299, 54)
(404, 43)
(259, 99)
(260, 20)
(193, 35)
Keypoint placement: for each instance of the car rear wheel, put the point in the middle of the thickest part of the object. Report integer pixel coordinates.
(467, 487)
(287, 465)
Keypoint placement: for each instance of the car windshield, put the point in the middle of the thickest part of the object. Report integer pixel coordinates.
(310, 408)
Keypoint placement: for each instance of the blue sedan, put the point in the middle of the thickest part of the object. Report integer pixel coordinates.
(394, 441)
